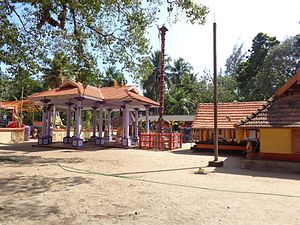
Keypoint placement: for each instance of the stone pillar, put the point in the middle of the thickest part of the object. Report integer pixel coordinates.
(136, 124)
(43, 140)
(68, 138)
(100, 140)
(109, 127)
(147, 130)
(126, 141)
(94, 137)
(77, 141)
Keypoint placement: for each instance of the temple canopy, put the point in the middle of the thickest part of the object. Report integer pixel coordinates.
(110, 97)
(74, 97)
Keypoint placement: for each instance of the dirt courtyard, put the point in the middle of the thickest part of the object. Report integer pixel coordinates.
(116, 186)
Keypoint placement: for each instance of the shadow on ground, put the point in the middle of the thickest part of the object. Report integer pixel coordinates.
(21, 202)
(14, 160)
(233, 164)
(24, 147)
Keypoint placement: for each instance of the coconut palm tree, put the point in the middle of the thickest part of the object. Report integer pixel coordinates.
(178, 70)
(58, 71)
(178, 102)
(113, 74)
(151, 83)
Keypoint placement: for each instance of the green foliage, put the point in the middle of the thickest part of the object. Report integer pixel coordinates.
(236, 57)
(150, 76)
(59, 69)
(113, 74)
(248, 70)
(87, 32)
(179, 69)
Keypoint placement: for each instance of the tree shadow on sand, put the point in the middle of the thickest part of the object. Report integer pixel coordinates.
(19, 196)
(15, 160)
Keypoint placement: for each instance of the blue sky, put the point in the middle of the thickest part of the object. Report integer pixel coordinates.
(237, 22)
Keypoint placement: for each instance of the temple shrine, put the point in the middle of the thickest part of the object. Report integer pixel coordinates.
(73, 97)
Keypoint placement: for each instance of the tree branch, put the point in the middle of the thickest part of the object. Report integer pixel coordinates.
(27, 31)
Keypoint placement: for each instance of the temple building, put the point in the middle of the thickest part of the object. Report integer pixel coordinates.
(278, 122)
(229, 113)
(74, 97)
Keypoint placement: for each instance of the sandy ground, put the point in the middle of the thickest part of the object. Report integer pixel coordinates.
(139, 187)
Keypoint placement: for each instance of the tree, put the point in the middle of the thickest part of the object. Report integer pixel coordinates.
(58, 71)
(150, 79)
(247, 70)
(23, 85)
(178, 70)
(280, 64)
(87, 31)
(178, 102)
(236, 57)
(113, 74)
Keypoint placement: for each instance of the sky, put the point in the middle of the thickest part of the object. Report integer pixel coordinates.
(238, 21)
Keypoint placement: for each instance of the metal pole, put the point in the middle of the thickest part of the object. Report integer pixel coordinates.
(216, 133)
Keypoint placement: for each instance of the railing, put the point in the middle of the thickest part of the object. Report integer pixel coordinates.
(161, 141)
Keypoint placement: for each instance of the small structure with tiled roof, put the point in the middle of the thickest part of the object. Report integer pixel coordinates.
(278, 121)
(75, 97)
(229, 114)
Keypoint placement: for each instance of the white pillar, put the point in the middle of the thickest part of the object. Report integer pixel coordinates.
(78, 119)
(109, 130)
(136, 124)
(126, 121)
(44, 127)
(68, 131)
(100, 121)
(44, 139)
(94, 122)
(123, 117)
(147, 130)
(49, 123)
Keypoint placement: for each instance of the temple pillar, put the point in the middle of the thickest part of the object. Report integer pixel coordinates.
(126, 141)
(43, 140)
(100, 140)
(136, 124)
(109, 126)
(68, 139)
(147, 130)
(49, 128)
(94, 137)
(77, 141)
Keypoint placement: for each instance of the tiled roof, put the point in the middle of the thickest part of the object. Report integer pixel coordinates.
(228, 114)
(71, 89)
(281, 111)
(13, 104)
(180, 118)
(125, 93)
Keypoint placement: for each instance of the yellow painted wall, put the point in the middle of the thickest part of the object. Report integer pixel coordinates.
(58, 134)
(11, 135)
(5, 137)
(275, 141)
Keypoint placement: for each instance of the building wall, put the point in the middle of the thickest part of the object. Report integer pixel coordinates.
(275, 141)
(12, 135)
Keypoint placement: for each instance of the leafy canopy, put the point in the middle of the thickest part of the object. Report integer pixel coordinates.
(91, 31)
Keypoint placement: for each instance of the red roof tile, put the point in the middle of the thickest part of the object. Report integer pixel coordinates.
(125, 93)
(71, 89)
(281, 111)
(228, 114)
